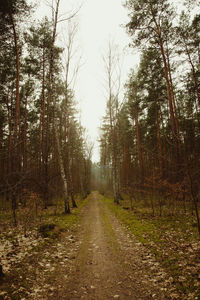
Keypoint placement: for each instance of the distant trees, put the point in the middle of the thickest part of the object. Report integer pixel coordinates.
(42, 147)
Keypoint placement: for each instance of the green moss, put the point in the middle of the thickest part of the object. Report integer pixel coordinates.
(140, 228)
(61, 221)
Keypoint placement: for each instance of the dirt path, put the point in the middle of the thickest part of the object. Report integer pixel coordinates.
(110, 264)
(97, 259)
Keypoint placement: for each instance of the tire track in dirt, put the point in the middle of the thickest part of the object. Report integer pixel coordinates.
(110, 264)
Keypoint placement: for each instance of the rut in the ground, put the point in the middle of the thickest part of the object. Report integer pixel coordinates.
(110, 263)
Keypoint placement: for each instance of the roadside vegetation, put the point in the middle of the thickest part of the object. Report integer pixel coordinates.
(33, 231)
(44, 244)
(173, 240)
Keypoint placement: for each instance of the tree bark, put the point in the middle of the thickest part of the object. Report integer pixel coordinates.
(159, 142)
(52, 86)
(139, 149)
(16, 140)
(174, 122)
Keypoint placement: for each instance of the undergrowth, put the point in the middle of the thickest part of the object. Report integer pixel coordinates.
(64, 221)
(50, 227)
(172, 239)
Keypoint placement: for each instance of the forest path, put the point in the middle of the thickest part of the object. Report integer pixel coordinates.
(110, 263)
(96, 259)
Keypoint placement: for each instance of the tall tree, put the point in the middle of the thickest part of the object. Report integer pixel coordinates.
(152, 23)
(55, 12)
(11, 12)
(113, 78)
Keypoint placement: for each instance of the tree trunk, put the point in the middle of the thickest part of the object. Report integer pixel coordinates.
(139, 149)
(71, 182)
(174, 122)
(14, 207)
(42, 120)
(25, 138)
(159, 142)
(10, 139)
(173, 95)
(16, 160)
(195, 200)
(196, 84)
(52, 86)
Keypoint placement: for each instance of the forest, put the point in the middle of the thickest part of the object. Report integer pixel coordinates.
(151, 140)
(62, 213)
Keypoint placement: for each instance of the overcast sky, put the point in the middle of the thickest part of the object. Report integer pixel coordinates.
(99, 21)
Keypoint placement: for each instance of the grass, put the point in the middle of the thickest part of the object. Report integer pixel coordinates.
(140, 228)
(170, 238)
(28, 220)
(109, 230)
(60, 222)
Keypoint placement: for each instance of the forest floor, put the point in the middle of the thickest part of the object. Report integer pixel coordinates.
(97, 258)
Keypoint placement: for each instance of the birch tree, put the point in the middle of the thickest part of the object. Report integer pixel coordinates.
(55, 20)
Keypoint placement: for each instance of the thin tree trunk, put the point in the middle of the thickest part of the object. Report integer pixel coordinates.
(10, 139)
(42, 117)
(173, 95)
(46, 155)
(71, 182)
(159, 142)
(16, 153)
(195, 201)
(14, 207)
(139, 149)
(114, 164)
(52, 86)
(25, 138)
(164, 160)
(174, 122)
(196, 84)
(17, 99)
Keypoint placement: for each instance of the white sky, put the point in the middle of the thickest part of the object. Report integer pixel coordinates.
(99, 21)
